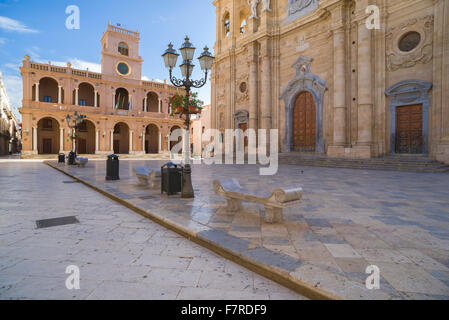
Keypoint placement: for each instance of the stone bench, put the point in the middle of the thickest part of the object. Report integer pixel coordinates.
(273, 202)
(81, 162)
(145, 174)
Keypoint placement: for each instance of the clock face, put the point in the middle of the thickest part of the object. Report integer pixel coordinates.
(123, 69)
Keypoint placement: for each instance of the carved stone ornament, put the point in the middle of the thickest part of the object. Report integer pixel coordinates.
(304, 80)
(299, 8)
(422, 53)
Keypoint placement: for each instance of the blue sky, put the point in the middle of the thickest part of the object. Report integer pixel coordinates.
(38, 28)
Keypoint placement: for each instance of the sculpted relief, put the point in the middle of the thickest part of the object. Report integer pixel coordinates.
(299, 8)
(410, 43)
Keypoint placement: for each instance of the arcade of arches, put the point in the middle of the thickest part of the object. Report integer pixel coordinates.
(51, 136)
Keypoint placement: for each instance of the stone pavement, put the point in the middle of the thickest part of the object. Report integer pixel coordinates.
(349, 220)
(121, 255)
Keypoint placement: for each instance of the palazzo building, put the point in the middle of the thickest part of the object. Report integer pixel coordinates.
(332, 81)
(124, 114)
(9, 126)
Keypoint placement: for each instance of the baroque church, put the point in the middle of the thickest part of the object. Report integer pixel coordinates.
(343, 78)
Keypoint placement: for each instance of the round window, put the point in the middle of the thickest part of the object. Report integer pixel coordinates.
(243, 87)
(123, 69)
(409, 41)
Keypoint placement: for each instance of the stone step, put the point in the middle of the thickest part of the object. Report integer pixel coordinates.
(391, 163)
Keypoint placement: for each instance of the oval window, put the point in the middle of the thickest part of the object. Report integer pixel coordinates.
(409, 41)
(123, 69)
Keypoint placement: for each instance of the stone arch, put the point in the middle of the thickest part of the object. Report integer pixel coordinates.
(152, 139)
(152, 102)
(48, 136)
(85, 141)
(123, 48)
(121, 138)
(407, 93)
(122, 99)
(48, 90)
(226, 24)
(304, 80)
(86, 94)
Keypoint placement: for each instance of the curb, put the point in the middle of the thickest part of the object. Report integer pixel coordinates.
(279, 276)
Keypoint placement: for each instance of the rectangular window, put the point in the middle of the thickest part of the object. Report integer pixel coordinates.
(83, 103)
(47, 99)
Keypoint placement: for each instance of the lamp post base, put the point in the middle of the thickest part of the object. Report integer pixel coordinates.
(187, 188)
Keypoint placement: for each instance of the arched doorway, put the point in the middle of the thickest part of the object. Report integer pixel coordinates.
(85, 142)
(86, 95)
(152, 139)
(304, 123)
(152, 102)
(174, 143)
(48, 136)
(122, 99)
(48, 90)
(121, 138)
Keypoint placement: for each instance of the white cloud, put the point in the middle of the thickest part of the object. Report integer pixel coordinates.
(145, 78)
(76, 64)
(2, 41)
(11, 25)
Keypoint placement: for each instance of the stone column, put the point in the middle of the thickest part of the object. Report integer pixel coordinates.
(339, 88)
(130, 101)
(253, 116)
(37, 92)
(61, 140)
(160, 105)
(145, 104)
(113, 101)
(35, 140)
(143, 141)
(265, 107)
(365, 89)
(112, 141)
(131, 133)
(96, 99)
(59, 94)
(76, 97)
(168, 142)
(160, 142)
(97, 141)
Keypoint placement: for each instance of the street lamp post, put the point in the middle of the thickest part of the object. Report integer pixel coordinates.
(206, 60)
(77, 120)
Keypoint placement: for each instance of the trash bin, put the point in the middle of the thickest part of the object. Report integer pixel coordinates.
(112, 168)
(61, 158)
(72, 158)
(171, 179)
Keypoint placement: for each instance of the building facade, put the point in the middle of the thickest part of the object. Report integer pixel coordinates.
(9, 125)
(199, 127)
(330, 79)
(124, 114)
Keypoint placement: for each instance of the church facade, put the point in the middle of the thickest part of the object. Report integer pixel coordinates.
(124, 114)
(358, 79)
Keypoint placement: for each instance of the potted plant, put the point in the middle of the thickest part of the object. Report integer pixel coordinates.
(178, 104)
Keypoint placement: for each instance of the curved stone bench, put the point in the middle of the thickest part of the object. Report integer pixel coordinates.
(273, 202)
(81, 162)
(145, 174)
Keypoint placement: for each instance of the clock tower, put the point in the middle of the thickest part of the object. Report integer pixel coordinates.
(120, 54)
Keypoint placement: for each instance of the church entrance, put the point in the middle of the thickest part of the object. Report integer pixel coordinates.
(304, 123)
(409, 129)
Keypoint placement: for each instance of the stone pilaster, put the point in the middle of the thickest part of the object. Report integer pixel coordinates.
(253, 88)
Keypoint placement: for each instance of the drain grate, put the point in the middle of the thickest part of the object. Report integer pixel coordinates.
(69, 182)
(48, 223)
